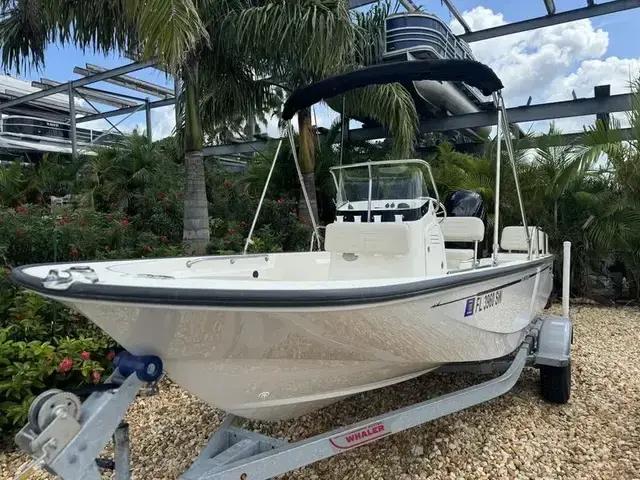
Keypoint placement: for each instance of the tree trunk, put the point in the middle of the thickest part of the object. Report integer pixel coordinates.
(307, 158)
(196, 210)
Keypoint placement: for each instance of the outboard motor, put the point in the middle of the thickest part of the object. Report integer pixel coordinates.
(464, 203)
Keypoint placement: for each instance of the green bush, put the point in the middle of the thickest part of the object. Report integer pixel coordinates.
(43, 345)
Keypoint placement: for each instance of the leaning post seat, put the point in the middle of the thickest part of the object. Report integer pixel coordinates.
(462, 229)
(514, 239)
(371, 250)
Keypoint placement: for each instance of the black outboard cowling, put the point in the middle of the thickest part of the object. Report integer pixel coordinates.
(465, 203)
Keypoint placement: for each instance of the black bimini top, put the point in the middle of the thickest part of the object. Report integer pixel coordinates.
(472, 73)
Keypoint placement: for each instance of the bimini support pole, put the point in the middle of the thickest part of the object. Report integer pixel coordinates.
(304, 189)
(512, 159)
(496, 215)
(264, 192)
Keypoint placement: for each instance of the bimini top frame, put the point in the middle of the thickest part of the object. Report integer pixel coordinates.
(471, 72)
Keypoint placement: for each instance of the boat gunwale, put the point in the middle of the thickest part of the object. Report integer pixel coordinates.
(287, 298)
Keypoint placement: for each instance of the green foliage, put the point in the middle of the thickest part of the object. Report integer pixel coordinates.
(36, 336)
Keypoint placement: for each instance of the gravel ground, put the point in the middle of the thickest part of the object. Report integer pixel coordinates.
(518, 436)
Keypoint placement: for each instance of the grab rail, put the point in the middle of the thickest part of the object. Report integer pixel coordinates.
(232, 258)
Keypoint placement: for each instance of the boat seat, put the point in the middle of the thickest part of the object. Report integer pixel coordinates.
(462, 229)
(384, 238)
(370, 250)
(455, 256)
(513, 239)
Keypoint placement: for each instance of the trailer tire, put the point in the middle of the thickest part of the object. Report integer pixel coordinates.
(555, 383)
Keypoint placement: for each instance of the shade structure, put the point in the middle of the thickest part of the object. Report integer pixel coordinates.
(472, 73)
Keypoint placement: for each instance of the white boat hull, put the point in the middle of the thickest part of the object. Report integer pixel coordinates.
(276, 363)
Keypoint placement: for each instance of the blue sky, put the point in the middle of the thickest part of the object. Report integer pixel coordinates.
(601, 51)
(622, 27)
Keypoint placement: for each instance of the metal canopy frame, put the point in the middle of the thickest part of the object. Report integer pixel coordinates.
(525, 113)
(118, 76)
(125, 104)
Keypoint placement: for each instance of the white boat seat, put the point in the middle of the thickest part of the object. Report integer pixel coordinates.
(455, 256)
(462, 229)
(367, 238)
(514, 239)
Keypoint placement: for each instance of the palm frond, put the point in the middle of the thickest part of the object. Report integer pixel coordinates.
(389, 105)
(169, 29)
(314, 37)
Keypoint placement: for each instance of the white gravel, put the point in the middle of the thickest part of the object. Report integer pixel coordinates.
(518, 436)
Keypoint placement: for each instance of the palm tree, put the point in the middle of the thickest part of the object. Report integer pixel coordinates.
(353, 46)
(217, 47)
(613, 224)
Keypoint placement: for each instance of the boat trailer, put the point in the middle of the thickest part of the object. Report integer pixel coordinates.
(64, 435)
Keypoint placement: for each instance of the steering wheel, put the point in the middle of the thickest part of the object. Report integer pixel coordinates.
(439, 209)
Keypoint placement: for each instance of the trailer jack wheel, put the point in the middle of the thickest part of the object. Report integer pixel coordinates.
(555, 383)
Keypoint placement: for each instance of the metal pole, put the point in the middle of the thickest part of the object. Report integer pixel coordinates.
(147, 107)
(496, 219)
(122, 452)
(72, 122)
(301, 178)
(342, 132)
(566, 277)
(264, 192)
(507, 139)
(370, 194)
(176, 93)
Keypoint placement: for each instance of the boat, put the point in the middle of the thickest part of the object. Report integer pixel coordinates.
(272, 336)
(422, 35)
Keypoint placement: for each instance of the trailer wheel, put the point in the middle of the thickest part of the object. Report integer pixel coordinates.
(555, 383)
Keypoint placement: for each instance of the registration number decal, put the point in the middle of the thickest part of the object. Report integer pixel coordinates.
(482, 302)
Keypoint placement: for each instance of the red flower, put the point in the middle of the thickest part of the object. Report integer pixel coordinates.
(280, 201)
(7, 271)
(162, 196)
(19, 316)
(227, 184)
(111, 355)
(164, 239)
(124, 222)
(95, 376)
(109, 219)
(85, 355)
(107, 248)
(65, 365)
(232, 231)
(21, 209)
(147, 249)
(180, 194)
(20, 232)
(74, 252)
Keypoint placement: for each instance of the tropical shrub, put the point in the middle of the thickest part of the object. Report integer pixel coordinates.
(43, 345)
